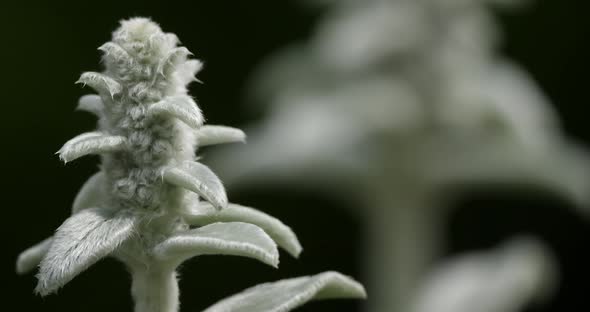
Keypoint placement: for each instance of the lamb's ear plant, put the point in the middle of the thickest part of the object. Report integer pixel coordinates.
(143, 207)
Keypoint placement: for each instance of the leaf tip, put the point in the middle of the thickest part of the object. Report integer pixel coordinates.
(353, 289)
(274, 261)
(62, 156)
(296, 251)
(80, 81)
(43, 289)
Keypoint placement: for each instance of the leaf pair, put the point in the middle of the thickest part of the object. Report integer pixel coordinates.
(192, 176)
(93, 234)
(98, 143)
(182, 107)
(282, 234)
(233, 238)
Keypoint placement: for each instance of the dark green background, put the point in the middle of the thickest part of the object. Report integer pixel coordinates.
(46, 45)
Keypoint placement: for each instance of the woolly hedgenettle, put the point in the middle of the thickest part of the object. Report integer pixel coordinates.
(143, 206)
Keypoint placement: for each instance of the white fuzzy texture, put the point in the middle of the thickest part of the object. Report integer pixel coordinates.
(143, 108)
(282, 234)
(135, 208)
(103, 84)
(212, 135)
(232, 238)
(285, 295)
(79, 242)
(115, 51)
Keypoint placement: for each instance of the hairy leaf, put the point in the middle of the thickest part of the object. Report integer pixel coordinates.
(277, 230)
(285, 295)
(84, 136)
(79, 242)
(101, 83)
(189, 70)
(116, 52)
(232, 238)
(182, 107)
(211, 135)
(200, 179)
(91, 143)
(173, 60)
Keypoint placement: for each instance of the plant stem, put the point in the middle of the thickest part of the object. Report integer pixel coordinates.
(154, 289)
(404, 237)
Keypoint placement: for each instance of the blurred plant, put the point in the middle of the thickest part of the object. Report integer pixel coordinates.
(502, 280)
(403, 104)
(143, 206)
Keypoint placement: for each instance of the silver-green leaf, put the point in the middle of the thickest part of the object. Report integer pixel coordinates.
(212, 135)
(232, 238)
(286, 295)
(79, 242)
(91, 143)
(101, 83)
(182, 107)
(198, 178)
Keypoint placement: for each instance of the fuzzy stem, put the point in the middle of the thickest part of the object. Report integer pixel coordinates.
(404, 237)
(154, 289)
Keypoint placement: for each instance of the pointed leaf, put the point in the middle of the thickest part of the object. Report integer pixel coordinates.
(84, 136)
(91, 143)
(211, 135)
(182, 107)
(30, 258)
(101, 83)
(79, 242)
(92, 194)
(285, 295)
(173, 60)
(188, 71)
(233, 238)
(277, 230)
(200, 179)
(116, 52)
(91, 103)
